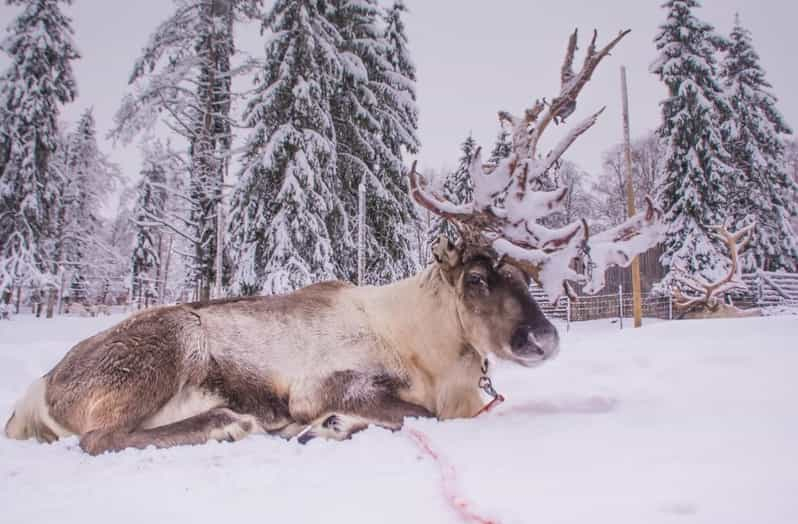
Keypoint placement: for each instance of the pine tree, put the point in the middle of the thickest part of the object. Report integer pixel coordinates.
(392, 212)
(88, 179)
(285, 207)
(457, 189)
(32, 89)
(185, 73)
(147, 218)
(791, 161)
(501, 148)
(375, 123)
(353, 108)
(697, 165)
(755, 132)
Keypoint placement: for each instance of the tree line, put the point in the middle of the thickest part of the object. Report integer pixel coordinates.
(333, 106)
(254, 190)
(721, 155)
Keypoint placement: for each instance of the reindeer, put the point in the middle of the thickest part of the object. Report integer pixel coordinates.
(331, 359)
(696, 297)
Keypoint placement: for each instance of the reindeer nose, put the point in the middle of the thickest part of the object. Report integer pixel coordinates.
(528, 342)
(524, 343)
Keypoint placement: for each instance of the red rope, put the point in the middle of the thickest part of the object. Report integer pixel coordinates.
(498, 399)
(448, 481)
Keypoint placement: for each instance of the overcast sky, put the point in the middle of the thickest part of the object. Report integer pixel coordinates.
(474, 57)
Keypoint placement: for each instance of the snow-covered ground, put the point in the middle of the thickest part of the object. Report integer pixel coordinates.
(689, 421)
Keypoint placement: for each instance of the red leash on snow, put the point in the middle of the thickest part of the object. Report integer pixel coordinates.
(448, 473)
(448, 481)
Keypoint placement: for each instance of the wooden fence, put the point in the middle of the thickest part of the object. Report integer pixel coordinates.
(768, 289)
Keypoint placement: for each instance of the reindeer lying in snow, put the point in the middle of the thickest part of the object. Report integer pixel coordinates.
(331, 359)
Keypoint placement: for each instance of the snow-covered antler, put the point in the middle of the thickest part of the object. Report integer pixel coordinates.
(695, 290)
(507, 204)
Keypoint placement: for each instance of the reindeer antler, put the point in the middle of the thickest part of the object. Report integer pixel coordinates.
(506, 206)
(694, 290)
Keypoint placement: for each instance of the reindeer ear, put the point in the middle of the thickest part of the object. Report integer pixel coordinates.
(447, 255)
(445, 252)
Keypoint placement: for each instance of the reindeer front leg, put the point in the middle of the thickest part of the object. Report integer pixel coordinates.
(389, 413)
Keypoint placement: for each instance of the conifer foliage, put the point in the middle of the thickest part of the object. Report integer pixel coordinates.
(148, 213)
(286, 209)
(334, 108)
(375, 119)
(184, 75)
(697, 166)
(88, 178)
(501, 148)
(38, 81)
(755, 133)
(457, 188)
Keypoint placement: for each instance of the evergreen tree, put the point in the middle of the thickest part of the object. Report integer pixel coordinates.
(501, 148)
(458, 189)
(285, 208)
(353, 108)
(755, 132)
(147, 217)
(391, 211)
(791, 160)
(375, 123)
(185, 73)
(37, 82)
(697, 165)
(88, 180)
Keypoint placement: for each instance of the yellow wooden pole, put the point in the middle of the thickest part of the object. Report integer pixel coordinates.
(630, 201)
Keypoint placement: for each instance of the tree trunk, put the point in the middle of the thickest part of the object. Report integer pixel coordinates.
(166, 267)
(158, 269)
(51, 296)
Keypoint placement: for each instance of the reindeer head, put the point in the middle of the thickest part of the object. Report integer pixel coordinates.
(502, 245)
(495, 308)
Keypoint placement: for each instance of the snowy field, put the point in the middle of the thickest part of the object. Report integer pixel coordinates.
(690, 421)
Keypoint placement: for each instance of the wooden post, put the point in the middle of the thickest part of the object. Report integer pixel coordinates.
(567, 314)
(620, 305)
(60, 303)
(361, 232)
(670, 304)
(630, 201)
(217, 288)
(166, 268)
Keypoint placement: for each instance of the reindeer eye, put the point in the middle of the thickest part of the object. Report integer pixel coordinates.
(476, 279)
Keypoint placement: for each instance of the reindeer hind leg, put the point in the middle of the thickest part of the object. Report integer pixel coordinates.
(221, 424)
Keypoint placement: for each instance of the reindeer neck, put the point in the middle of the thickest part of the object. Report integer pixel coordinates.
(419, 315)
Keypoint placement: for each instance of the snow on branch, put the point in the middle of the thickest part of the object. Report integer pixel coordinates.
(507, 206)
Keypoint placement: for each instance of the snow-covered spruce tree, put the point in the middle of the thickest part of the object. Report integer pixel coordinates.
(37, 82)
(754, 131)
(148, 215)
(458, 188)
(357, 129)
(88, 179)
(184, 73)
(501, 148)
(285, 206)
(791, 159)
(392, 214)
(375, 122)
(697, 166)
